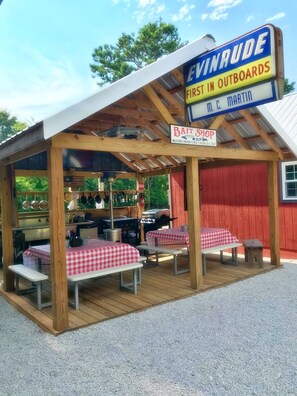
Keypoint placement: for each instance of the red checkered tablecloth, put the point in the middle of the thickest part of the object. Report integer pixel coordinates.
(96, 255)
(175, 237)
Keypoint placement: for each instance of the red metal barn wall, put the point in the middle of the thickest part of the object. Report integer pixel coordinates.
(237, 198)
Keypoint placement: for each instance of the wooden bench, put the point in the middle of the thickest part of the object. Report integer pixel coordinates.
(159, 249)
(128, 286)
(35, 277)
(221, 248)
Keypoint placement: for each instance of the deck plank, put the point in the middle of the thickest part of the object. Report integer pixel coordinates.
(101, 299)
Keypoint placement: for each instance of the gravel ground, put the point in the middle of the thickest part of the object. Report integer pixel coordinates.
(236, 340)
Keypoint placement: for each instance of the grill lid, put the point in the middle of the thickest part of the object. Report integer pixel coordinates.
(155, 213)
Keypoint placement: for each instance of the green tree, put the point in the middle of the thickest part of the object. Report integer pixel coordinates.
(289, 86)
(156, 192)
(131, 52)
(9, 125)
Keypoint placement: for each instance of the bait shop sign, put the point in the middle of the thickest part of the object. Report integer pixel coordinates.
(245, 72)
(187, 135)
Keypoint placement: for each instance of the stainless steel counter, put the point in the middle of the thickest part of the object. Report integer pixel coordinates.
(36, 232)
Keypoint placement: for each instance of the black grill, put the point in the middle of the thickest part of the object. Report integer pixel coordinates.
(154, 219)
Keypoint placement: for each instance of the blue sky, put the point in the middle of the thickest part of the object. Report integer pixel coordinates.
(46, 45)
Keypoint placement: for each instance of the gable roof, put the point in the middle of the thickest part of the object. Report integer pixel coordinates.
(147, 101)
(126, 86)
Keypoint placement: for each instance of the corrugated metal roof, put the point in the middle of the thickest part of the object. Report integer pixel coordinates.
(283, 115)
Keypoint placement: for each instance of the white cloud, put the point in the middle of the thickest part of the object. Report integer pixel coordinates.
(146, 3)
(148, 9)
(184, 13)
(160, 8)
(42, 88)
(250, 18)
(221, 9)
(275, 17)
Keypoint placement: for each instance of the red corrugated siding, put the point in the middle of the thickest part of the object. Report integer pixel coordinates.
(237, 198)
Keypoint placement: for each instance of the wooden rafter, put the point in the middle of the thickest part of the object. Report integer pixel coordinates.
(138, 115)
(179, 108)
(253, 123)
(130, 164)
(141, 161)
(152, 95)
(232, 131)
(178, 75)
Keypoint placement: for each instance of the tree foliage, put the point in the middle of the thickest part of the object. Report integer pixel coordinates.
(289, 86)
(9, 125)
(132, 52)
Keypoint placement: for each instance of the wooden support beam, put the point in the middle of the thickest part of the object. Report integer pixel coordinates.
(57, 240)
(154, 98)
(232, 131)
(273, 212)
(115, 145)
(6, 220)
(192, 180)
(253, 123)
(179, 108)
(29, 151)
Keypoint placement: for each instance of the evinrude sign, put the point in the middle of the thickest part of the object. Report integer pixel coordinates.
(227, 73)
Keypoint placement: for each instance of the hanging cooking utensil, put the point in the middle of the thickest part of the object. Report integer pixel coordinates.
(91, 201)
(68, 197)
(43, 204)
(83, 199)
(26, 204)
(98, 198)
(106, 198)
(35, 204)
(123, 198)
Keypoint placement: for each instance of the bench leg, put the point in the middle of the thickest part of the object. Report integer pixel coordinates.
(232, 261)
(36, 288)
(75, 303)
(131, 286)
(175, 270)
(203, 264)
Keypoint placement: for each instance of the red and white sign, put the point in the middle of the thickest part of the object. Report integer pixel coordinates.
(188, 135)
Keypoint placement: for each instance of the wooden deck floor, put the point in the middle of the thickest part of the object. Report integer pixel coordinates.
(101, 299)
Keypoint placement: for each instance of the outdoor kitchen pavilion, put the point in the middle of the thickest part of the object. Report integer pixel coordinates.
(145, 102)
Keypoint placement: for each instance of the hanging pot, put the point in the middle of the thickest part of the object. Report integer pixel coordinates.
(91, 201)
(106, 198)
(35, 204)
(26, 204)
(43, 204)
(68, 197)
(98, 199)
(83, 199)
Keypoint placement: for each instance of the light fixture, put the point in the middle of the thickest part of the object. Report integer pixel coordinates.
(123, 132)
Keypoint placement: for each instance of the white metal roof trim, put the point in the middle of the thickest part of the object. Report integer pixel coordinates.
(125, 86)
(276, 118)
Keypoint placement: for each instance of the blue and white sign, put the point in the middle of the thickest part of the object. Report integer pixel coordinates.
(252, 96)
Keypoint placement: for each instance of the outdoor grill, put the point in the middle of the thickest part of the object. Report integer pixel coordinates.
(154, 219)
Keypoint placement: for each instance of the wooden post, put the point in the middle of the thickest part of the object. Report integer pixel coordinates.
(192, 178)
(273, 212)
(57, 239)
(7, 231)
(140, 181)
